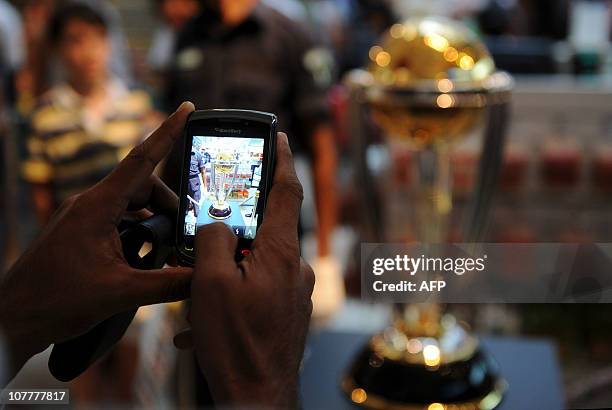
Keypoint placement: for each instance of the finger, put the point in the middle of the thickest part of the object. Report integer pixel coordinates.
(148, 287)
(157, 196)
(134, 171)
(215, 248)
(137, 216)
(308, 277)
(285, 199)
(183, 340)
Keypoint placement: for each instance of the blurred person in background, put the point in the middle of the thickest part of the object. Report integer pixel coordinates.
(174, 14)
(242, 54)
(120, 58)
(325, 22)
(81, 129)
(84, 126)
(366, 22)
(498, 18)
(39, 71)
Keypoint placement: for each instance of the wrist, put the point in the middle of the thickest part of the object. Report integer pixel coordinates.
(19, 342)
(16, 349)
(281, 393)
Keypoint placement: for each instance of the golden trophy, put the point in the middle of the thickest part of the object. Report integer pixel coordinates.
(430, 83)
(223, 174)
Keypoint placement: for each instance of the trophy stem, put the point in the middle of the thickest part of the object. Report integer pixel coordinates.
(433, 193)
(433, 205)
(221, 195)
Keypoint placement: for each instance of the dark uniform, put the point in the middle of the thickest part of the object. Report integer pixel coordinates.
(259, 64)
(194, 187)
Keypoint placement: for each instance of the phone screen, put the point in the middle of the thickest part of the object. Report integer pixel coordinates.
(224, 183)
(228, 163)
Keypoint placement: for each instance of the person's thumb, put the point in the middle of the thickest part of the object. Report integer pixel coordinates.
(215, 248)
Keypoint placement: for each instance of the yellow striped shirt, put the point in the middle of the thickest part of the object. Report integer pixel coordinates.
(72, 150)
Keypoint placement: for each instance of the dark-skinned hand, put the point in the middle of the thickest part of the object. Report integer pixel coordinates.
(249, 319)
(75, 275)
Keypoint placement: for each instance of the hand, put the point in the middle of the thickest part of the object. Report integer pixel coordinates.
(74, 275)
(250, 319)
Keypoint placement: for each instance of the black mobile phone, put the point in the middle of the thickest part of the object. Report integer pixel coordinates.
(228, 163)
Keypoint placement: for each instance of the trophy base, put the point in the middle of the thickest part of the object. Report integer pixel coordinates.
(220, 214)
(376, 383)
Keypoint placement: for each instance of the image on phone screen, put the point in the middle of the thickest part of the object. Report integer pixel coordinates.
(224, 183)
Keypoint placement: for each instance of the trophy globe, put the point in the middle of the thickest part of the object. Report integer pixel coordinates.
(430, 83)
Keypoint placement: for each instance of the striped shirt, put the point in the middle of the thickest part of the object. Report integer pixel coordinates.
(70, 149)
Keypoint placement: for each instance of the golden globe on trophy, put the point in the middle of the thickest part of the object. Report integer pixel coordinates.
(431, 83)
(223, 173)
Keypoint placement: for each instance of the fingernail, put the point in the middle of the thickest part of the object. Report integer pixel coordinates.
(186, 106)
(284, 137)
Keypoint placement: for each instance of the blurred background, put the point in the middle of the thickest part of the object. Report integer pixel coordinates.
(83, 82)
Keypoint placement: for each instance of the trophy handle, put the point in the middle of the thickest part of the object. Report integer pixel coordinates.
(489, 168)
(370, 206)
